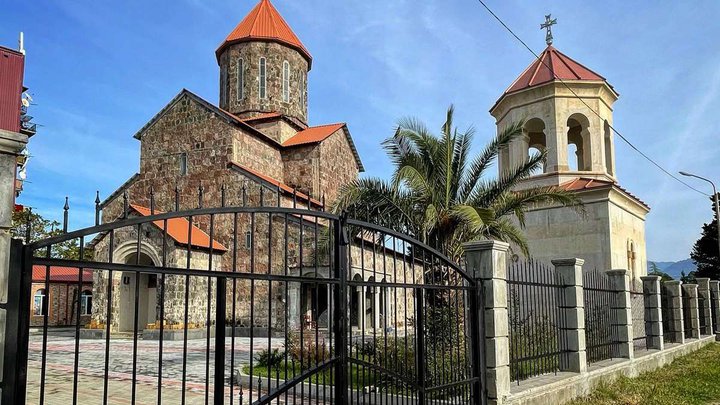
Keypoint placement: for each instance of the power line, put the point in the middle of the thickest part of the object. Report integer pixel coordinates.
(627, 141)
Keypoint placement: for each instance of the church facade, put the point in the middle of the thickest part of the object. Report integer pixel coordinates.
(568, 112)
(254, 148)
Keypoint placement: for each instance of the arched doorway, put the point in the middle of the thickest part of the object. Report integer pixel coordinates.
(146, 298)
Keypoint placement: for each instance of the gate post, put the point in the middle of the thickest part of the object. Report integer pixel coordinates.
(340, 256)
(715, 304)
(487, 263)
(572, 330)
(622, 313)
(653, 312)
(11, 143)
(704, 307)
(220, 304)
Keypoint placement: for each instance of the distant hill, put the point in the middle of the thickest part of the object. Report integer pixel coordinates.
(675, 268)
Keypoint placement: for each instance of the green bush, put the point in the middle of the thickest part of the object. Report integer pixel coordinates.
(269, 358)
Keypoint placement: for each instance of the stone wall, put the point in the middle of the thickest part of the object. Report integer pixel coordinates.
(337, 165)
(274, 54)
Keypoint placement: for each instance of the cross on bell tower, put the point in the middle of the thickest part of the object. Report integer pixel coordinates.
(547, 25)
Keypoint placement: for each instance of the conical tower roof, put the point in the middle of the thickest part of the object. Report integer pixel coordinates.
(264, 23)
(552, 65)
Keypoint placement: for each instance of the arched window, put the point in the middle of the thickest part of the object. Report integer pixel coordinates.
(86, 302)
(38, 301)
(240, 90)
(609, 164)
(535, 137)
(579, 154)
(262, 79)
(286, 82)
(183, 164)
(302, 91)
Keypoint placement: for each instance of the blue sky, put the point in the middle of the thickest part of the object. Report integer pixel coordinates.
(99, 70)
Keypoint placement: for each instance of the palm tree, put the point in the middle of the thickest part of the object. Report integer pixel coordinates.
(440, 195)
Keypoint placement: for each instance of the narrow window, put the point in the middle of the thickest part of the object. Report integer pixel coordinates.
(286, 82)
(183, 164)
(248, 239)
(86, 303)
(38, 301)
(223, 85)
(240, 80)
(262, 79)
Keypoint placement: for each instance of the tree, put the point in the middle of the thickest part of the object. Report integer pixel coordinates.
(705, 252)
(440, 195)
(41, 228)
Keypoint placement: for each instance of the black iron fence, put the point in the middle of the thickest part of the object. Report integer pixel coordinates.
(535, 316)
(600, 300)
(687, 313)
(637, 305)
(251, 305)
(714, 311)
(702, 314)
(668, 317)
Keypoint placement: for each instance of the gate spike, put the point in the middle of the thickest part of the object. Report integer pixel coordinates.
(240, 395)
(278, 195)
(244, 194)
(323, 202)
(125, 204)
(66, 208)
(177, 198)
(262, 196)
(28, 226)
(222, 195)
(97, 207)
(309, 201)
(200, 195)
(152, 200)
(294, 197)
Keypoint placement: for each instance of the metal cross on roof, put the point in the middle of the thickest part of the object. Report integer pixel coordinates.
(548, 26)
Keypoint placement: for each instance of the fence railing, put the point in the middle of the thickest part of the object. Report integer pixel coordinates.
(714, 311)
(702, 315)
(687, 314)
(637, 302)
(668, 318)
(535, 302)
(599, 297)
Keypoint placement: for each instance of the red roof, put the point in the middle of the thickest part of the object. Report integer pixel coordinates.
(177, 228)
(263, 116)
(265, 23)
(60, 274)
(284, 187)
(584, 183)
(313, 134)
(552, 65)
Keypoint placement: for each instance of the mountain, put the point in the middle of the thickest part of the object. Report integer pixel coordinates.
(675, 268)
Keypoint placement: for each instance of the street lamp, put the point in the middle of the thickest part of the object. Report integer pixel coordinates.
(715, 198)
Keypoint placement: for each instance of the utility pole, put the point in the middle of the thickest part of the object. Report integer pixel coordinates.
(715, 198)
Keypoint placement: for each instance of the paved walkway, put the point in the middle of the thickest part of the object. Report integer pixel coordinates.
(59, 379)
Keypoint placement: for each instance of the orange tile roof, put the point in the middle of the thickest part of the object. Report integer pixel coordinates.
(177, 228)
(265, 23)
(263, 116)
(284, 187)
(584, 183)
(313, 134)
(59, 274)
(552, 65)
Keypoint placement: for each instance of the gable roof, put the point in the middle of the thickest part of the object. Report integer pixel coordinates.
(313, 134)
(264, 23)
(60, 274)
(273, 116)
(177, 229)
(550, 66)
(587, 184)
(275, 183)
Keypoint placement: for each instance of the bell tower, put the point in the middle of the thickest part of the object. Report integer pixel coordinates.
(567, 109)
(264, 67)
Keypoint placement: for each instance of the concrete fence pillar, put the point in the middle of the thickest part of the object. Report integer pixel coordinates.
(704, 308)
(572, 327)
(690, 305)
(675, 310)
(622, 313)
(487, 262)
(715, 303)
(653, 312)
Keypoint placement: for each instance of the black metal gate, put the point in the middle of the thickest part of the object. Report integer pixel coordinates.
(270, 305)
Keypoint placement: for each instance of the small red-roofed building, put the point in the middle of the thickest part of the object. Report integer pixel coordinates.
(567, 109)
(57, 291)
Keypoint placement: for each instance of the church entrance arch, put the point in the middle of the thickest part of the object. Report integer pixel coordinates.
(145, 286)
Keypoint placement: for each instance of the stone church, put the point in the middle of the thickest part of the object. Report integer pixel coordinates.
(255, 147)
(576, 133)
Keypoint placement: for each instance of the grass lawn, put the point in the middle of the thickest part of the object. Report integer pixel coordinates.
(692, 379)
